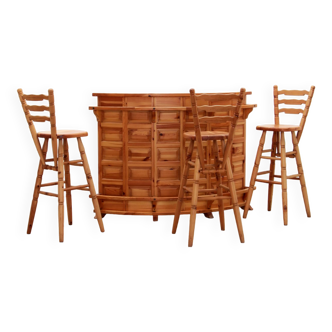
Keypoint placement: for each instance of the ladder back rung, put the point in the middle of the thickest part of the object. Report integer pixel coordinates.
(37, 108)
(37, 118)
(293, 92)
(220, 171)
(35, 97)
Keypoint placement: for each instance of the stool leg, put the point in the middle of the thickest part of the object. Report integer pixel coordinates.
(272, 169)
(234, 199)
(60, 191)
(181, 190)
(300, 170)
(90, 183)
(37, 188)
(254, 173)
(219, 189)
(194, 200)
(284, 179)
(68, 182)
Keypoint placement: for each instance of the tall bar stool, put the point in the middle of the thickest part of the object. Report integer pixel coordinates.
(278, 151)
(61, 162)
(221, 167)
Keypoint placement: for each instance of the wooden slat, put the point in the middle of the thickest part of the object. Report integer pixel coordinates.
(217, 96)
(293, 92)
(150, 109)
(40, 118)
(216, 108)
(148, 94)
(35, 97)
(37, 108)
(291, 110)
(215, 119)
(292, 101)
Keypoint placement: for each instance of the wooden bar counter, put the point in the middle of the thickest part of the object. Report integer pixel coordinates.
(141, 153)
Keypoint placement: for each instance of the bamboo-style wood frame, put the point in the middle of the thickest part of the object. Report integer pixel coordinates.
(142, 151)
(278, 149)
(221, 166)
(61, 162)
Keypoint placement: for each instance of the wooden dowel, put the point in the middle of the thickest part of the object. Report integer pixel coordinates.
(294, 177)
(263, 172)
(76, 187)
(271, 158)
(269, 181)
(48, 194)
(49, 184)
(71, 162)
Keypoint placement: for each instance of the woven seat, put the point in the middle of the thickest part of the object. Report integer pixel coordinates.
(61, 163)
(221, 167)
(278, 151)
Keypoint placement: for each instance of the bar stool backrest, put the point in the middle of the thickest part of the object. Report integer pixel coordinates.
(295, 93)
(234, 110)
(32, 118)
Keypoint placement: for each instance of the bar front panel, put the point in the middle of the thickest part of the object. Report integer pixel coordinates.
(142, 153)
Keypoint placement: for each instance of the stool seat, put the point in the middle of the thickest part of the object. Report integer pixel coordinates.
(276, 127)
(206, 135)
(66, 133)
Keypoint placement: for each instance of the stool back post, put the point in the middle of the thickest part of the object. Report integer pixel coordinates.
(31, 119)
(305, 113)
(276, 105)
(53, 126)
(199, 141)
(232, 129)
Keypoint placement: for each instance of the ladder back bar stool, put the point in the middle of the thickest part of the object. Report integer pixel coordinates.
(221, 166)
(278, 151)
(61, 162)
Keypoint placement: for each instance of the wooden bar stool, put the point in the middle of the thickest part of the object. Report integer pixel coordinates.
(221, 167)
(278, 151)
(61, 162)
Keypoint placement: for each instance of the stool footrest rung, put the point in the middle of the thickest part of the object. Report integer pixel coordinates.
(49, 184)
(268, 181)
(212, 198)
(271, 158)
(289, 177)
(209, 171)
(269, 150)
(48, 194)
(263, 172)
(74, 162)
(81, 187)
